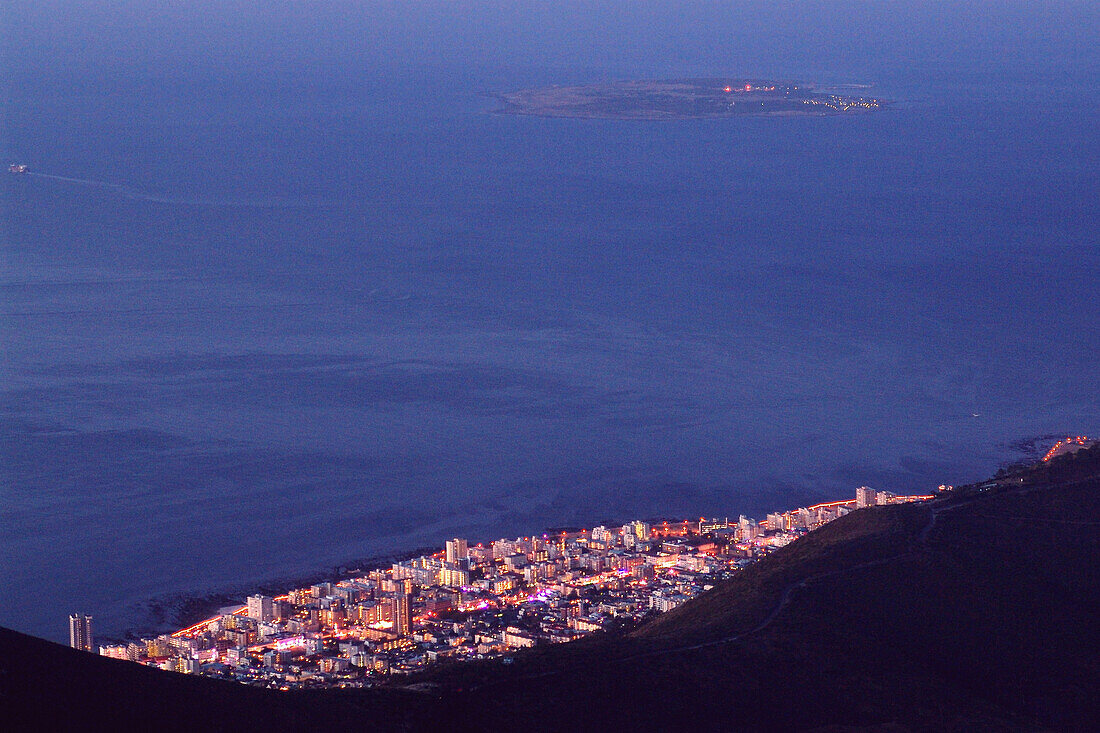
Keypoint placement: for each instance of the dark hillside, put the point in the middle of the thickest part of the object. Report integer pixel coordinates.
(49, 687)
(977, 610)
(751, 597)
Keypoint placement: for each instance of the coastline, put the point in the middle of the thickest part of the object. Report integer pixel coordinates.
(668, 118)
(169, 613)
(159, 614)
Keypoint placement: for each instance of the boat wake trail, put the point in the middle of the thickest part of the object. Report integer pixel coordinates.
(81, 181)
(130, 193)
(135, 194)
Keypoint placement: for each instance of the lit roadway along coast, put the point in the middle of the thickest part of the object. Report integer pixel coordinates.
(478, 601)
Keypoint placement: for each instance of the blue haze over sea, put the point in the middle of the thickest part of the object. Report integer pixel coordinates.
(306, 300)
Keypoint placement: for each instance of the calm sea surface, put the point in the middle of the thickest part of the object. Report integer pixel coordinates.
(288, 294)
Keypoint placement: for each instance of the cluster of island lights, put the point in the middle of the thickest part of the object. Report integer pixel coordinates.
(474, 601)
(834, 102)
(750, 88)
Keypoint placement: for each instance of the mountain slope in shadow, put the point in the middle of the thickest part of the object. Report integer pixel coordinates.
(975, 610)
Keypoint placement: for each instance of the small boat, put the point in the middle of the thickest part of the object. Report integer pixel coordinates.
(18, 168)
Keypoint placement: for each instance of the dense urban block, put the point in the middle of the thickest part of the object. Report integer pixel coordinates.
(476, 601)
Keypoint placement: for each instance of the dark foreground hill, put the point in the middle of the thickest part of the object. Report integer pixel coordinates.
(978, 611)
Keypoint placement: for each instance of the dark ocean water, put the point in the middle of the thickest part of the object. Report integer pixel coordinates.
(294, 296)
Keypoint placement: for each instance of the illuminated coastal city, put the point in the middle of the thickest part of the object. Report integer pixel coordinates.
(474, 601)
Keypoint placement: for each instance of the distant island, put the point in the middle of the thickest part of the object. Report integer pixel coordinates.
(678, 99)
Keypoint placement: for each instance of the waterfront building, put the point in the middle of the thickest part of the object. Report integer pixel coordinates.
(866, 496)
(456, 551)
(261, 608)
(710, 525)
(80, 632)
(602, 535)
(420, 571)
(116, 651)
(748, 527)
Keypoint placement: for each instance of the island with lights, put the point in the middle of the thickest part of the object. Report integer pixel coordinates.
(688, 99)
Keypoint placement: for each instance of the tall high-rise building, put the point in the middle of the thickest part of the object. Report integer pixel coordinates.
(865, 496)
(456, 550)
(80, 632)
(637, 531)
(402, 614)
(261, 608)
